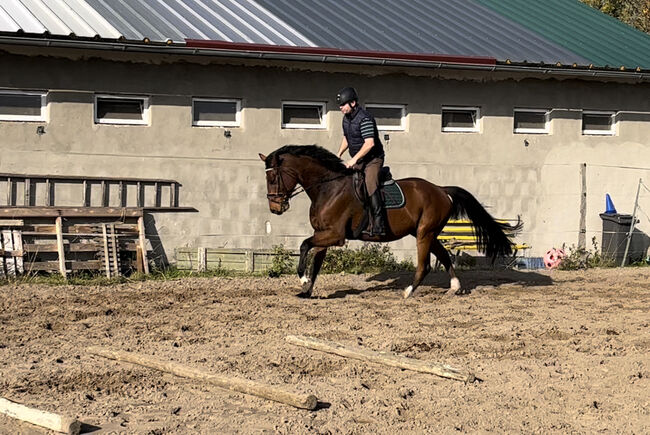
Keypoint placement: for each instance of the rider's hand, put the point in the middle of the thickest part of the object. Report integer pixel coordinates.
(350, 163)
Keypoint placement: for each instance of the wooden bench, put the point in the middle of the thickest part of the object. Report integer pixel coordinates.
(458, 235)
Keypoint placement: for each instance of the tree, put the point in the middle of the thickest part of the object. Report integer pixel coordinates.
(633, 12)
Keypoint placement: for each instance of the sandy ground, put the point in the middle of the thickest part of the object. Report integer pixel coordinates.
(556, 352)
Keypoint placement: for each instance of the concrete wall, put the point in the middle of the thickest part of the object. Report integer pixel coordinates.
(224, 179)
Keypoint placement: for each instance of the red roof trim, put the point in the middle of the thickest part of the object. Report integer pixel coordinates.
(319, 51)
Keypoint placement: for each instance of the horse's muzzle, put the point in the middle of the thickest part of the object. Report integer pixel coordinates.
(278, 207)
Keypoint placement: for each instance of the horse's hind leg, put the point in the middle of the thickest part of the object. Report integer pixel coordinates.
(443, 256)
(424, 260)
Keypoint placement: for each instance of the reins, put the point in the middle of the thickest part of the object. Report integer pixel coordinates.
(298, 190)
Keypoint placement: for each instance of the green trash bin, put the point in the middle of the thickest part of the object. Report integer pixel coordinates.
(615, 229)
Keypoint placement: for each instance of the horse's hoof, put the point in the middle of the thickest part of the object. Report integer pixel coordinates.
(408, 291)
(304, 280)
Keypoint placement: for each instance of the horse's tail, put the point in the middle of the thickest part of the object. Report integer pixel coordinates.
(491, 236)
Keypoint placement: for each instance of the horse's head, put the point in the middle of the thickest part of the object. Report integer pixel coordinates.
(280, 184)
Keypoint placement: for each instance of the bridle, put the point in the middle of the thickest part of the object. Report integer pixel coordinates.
(282, 199)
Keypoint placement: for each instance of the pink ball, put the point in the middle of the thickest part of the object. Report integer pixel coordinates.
(553, 258)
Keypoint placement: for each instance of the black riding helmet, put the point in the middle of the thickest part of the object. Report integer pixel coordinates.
(346, 95)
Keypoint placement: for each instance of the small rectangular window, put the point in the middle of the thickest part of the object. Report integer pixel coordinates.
(22, 106)
(532, 121)
(598, 123)
(111, 109)
(388, 116)
(216, 112)
(461, 119)
(298, 114)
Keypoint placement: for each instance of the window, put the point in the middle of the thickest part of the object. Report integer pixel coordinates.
(598, 123)
(216, 112)
(111, 109)
(296, 114)
(22, 106)
(461, 119)
(535, 121)
(388, 116)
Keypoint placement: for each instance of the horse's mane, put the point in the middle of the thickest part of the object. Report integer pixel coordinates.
(323, 156)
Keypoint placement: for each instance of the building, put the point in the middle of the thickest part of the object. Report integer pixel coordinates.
(538, 109)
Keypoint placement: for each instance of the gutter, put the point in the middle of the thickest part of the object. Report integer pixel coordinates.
(327, 55)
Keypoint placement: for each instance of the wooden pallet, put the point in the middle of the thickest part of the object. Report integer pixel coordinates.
(72, 244)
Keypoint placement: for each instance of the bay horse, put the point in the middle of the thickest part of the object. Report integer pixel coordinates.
(336, 212)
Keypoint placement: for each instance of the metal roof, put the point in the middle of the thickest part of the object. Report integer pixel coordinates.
(178, 20)
(54, 17)
(519, 31)
(456, 27)
(601, 39)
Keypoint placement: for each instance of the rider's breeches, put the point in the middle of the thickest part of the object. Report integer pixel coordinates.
(371, 172)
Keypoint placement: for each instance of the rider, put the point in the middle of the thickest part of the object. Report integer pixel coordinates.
(361, 137)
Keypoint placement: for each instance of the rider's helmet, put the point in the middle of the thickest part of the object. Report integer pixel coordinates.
(346, 95)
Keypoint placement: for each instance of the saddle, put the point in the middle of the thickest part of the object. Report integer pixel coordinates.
(391, 193)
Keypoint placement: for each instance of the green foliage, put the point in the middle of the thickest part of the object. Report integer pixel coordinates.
(283, 262)
(636, 13)
(581, 258)
(369, 258)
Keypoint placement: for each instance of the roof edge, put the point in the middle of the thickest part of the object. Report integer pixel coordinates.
(336, 56)
(263, 48)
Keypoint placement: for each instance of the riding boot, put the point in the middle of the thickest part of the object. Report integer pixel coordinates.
(377, 214)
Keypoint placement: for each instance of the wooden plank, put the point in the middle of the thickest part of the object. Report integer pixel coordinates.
(115, 252)
(202, 264)
(172, 195)
(59, 244)
(107, 264)
(8, 245)
(49, 420)
(20, 212)
(385, 358)
(246, 386)
(53, 266)
(46, 266)
(80, 178)
(18, 250)
(143, 245)
(138, 260)
(11, 222)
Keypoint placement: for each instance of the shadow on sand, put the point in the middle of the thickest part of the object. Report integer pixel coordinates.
(470, 279)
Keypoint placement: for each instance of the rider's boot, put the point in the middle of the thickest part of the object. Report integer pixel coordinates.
(377, 214)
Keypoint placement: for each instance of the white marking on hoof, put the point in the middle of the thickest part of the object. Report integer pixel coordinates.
(304, 280)
(455, 284)
(407, 291)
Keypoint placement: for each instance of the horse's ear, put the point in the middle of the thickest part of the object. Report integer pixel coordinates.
(263, 157)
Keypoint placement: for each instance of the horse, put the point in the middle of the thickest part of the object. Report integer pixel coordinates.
(336, 212)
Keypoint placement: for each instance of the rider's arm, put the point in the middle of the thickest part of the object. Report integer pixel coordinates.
(343, 147)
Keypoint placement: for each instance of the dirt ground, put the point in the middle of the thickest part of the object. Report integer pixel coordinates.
(556, 352)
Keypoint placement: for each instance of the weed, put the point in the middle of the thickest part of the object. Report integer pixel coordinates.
(582, 258)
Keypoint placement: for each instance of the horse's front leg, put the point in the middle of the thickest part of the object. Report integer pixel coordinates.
(321, 240)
